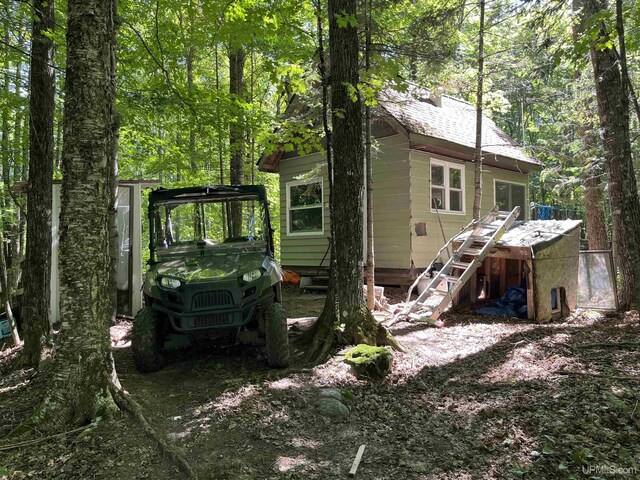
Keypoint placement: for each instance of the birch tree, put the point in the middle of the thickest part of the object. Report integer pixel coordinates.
(82, 388)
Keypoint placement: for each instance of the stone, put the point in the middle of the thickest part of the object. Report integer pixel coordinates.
(332, 393)
(369, 363)
(331, 407)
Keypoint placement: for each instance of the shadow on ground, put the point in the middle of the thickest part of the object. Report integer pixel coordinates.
(476, 399)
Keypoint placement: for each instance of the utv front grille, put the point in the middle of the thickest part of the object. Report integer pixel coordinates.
(208, 320)
(215, 298)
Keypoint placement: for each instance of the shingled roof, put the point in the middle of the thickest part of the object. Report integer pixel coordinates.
(450, 119)
(423, 116)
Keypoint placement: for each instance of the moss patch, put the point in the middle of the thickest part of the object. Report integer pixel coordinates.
(369, 363)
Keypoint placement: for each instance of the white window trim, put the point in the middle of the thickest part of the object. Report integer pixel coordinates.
(526, 193)
(447, 165)
(304, 182)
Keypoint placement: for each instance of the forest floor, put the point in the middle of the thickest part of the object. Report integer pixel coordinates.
(479, 398)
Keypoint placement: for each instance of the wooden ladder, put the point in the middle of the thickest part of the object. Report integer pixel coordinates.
(483, 237)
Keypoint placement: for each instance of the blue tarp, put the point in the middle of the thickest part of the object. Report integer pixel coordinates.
(512, 304)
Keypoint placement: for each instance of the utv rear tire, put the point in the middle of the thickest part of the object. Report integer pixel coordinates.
(147, 341)
(277, 335)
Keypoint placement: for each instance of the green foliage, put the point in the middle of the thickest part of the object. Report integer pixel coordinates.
(345, 20)
(173, 82)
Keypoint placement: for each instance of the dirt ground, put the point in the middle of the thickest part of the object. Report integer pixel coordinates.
(479, 398)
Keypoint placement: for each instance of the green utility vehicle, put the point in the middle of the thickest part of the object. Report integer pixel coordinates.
(212, 277)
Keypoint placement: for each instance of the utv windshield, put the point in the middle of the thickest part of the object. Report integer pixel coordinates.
(208, 223)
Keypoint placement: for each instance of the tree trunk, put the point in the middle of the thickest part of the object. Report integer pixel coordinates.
(371, 265)
(191, 56)
(37, 269)
(6, 294)
(613, 106)
(9, 221)
(237, 58)
(345, 318)
(4, 135)
(477, 177)
(219, 128)
(58, 144)
(595, 221)
(593, 203)
(622, 57)
(82, 388)
(18, 159)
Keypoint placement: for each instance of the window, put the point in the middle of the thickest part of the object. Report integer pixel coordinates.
(509, 196)
(305, 212)
(447, 187)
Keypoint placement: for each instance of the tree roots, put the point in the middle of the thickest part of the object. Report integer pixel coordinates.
(326, 334)
(127, 404)
(46, 418)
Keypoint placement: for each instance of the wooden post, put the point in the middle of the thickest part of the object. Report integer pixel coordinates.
(502, 266)
(531, 309)
(487, 274)
(473, 288)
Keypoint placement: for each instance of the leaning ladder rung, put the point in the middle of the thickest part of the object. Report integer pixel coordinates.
(435, 290)
(480, 238)
(451, 278)
(478, 246)
(460, 265)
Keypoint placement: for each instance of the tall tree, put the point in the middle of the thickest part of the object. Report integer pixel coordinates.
(237, 59)
(613, 106)
(371, 265)
(345, 318)
(6, 293)
(477, 174)
(593, 196)
(82, 388)
(8, 216)
(37, 268)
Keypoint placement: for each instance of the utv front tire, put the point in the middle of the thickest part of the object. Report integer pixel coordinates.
(276, 334)
(147, 341)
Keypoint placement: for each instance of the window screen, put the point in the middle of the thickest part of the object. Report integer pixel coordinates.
(509, 196)
(305, 208)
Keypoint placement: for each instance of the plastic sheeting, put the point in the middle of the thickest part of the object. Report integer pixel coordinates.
(596, 280)
(512, 304)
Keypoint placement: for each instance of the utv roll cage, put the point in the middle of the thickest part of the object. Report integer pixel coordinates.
(208, 193)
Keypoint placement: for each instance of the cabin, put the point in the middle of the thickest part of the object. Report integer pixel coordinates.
(423, 184)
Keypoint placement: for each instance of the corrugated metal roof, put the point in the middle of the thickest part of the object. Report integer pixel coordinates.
(453, 120)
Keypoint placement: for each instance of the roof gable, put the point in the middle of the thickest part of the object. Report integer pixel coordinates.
(453, 120)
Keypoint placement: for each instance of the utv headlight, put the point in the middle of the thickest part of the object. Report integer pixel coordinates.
(252, 276)
(169, 282)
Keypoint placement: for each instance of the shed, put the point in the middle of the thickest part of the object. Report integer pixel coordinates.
(541, 256)
(129, 268)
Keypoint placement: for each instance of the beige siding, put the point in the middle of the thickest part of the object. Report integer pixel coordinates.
(304, 250)
(425, 248)
(391, 203)
(391, 208)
